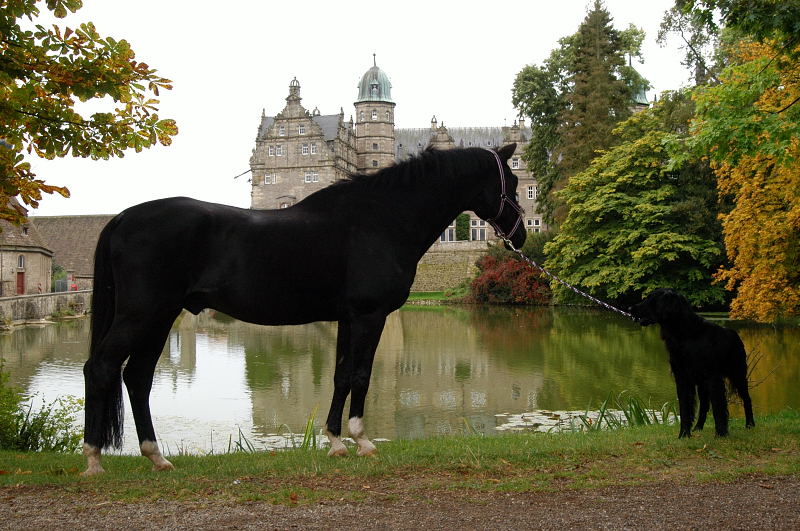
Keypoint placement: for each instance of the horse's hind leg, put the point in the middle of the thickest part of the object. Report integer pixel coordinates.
(103, 402)
(138, 377)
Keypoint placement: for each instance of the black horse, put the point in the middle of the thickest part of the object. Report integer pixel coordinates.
(702, 355)
(347, 253)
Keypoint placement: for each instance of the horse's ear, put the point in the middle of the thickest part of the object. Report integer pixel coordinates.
(505, 152)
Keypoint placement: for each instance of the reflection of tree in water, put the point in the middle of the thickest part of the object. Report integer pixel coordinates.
(270, 352)
(584, 354)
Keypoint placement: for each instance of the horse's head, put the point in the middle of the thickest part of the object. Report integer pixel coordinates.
(497, 201)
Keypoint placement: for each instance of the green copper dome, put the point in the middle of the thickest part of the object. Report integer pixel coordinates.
(375, 86)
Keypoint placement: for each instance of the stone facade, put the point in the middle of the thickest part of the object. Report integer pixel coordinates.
(26, 262)
(299, 152)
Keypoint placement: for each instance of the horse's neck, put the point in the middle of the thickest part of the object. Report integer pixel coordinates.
(432, 208)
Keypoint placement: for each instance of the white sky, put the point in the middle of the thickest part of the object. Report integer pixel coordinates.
(228, 60)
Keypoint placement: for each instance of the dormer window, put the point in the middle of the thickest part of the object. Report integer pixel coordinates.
(281, 130)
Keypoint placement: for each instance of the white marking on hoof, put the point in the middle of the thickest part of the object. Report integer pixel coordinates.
(365, 447)
(150, 450)
(338, 449)
(92, 454)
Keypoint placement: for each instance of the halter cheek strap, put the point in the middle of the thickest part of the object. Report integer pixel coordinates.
(503, 200)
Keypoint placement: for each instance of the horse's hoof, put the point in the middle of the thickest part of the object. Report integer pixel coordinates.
(163, 467)
(369, 451)
(93, 471)
(338, 452)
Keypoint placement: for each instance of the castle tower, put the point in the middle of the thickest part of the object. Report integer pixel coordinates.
(375, 139)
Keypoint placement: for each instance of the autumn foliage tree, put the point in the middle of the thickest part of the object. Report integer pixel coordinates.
(46, 73)
(749, 126)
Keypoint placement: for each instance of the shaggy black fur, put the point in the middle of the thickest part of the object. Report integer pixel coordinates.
(701, 354)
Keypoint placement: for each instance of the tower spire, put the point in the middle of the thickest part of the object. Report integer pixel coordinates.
(374, 61)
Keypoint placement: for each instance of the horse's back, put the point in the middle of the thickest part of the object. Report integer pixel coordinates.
(270, 267)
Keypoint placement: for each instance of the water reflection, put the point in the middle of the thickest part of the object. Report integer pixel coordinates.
(437, 370)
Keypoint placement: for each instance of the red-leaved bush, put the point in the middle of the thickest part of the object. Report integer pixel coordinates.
(508, 281)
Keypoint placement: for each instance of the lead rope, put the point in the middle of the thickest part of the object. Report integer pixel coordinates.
(565, 283)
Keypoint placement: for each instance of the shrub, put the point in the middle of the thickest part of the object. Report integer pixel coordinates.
(50, 428)
(508, 281)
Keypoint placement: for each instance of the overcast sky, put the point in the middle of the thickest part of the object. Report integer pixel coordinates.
(229, 60)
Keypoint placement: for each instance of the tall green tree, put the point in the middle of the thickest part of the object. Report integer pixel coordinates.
(643, 215)
(575, 99)
(44, 73)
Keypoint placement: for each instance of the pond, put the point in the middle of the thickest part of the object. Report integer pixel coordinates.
(438, 370)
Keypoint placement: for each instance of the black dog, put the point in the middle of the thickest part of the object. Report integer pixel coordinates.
(701, 354)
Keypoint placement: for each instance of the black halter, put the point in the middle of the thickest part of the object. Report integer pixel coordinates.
(503, 200)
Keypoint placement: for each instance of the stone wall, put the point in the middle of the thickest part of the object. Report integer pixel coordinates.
(448, 264)
(29, 308)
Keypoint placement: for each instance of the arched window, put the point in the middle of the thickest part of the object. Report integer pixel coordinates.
(21, 262)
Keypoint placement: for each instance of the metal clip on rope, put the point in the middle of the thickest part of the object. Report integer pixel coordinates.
(565, 283)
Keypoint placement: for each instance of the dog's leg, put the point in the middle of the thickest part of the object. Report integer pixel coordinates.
(702, 391)
(719, 404)
(741, 389)
(686, 392)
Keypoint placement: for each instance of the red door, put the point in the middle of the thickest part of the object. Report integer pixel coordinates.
(20, 283)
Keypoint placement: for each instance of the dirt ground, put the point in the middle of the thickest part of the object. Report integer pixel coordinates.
(750, 503)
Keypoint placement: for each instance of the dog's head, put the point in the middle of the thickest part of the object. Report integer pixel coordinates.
(661, 306)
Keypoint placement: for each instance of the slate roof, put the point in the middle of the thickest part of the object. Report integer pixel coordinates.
(73, 239)
(26, 235)
(329, 124)
(411, 141)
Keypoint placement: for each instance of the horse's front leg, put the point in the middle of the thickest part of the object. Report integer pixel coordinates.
(341, 388)
(366, 333)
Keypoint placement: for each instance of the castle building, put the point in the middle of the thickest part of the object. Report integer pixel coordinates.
(298, 152)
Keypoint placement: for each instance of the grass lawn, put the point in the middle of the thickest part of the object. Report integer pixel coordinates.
(514, 462)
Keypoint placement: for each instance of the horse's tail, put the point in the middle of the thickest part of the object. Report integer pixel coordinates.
(102, 374)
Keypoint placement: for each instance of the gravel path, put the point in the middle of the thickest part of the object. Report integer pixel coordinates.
(751, 503)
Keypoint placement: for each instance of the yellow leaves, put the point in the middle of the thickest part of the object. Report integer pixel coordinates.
(761, 236)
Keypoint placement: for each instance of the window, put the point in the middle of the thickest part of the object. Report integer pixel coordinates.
(301, 130)
(268, 179)
(531, 192)
(361, 116)
(21, 262)
(537, 222)
(478, 234)
(374, 114)
(271, 151)
(312, 177)
(279, 150)
(374, 163)
(281, 130)
(387, 116)
(314, 148)
(515, 163)
(24, 231)
(285, 205)
(375, 146)
(305, 149)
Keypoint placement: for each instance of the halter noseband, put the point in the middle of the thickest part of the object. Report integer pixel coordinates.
(503, 200)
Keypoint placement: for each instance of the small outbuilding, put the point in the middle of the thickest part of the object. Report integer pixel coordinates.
(26, 261)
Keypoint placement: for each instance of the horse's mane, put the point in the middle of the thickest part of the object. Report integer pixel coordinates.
(432, 167)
